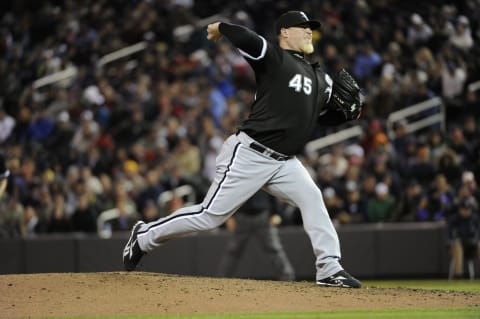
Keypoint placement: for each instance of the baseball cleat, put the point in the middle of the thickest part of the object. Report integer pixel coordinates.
(341, 279)
(132, 252)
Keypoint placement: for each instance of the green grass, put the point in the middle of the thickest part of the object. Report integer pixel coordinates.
(448, 313)
(448, 285)
(462, 313)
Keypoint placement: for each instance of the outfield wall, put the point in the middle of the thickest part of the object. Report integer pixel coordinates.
(369, 251)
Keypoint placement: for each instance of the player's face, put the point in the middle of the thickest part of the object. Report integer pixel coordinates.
(300, 39)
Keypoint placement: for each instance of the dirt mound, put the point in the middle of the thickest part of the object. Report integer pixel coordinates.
(139, 293)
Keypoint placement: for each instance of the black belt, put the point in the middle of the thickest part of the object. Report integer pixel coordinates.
(276, 156)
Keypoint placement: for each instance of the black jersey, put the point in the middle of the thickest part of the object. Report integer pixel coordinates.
(291, 93)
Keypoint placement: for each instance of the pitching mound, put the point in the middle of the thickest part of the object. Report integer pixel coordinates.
(110, 294)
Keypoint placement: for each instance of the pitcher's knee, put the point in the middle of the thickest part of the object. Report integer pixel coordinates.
(214, 221)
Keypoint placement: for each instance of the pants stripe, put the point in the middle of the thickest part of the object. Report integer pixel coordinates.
(235, 151)
(168, 219)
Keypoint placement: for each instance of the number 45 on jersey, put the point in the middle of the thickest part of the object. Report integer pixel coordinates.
(300, 82)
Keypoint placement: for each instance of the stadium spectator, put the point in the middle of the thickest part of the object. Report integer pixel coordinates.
(31, 225)
(381, 207)
(354, 206)
(59, 222)
(438, 202)
(471, 131)
(133, 177)
(4, 175)
(464, 236)
(353, 176)
(40, 127)
(447, 165)
(84, 218)
(11, 217)
(438, 147)
(462, 36)
(454, 76)
(422, 168)
(151, 191)
(419, 32)
(374, 138)
(368, 187)
(86, 134)
(7, 124)
(385, 100)
(335, 162)
(187, 158)
(462, 147)
(210, 142)
(150, 211)
(400, 140)
(62, 134)
(469, 181)
(334, 205)
(409, 203)
(366, 61)
(383, 173)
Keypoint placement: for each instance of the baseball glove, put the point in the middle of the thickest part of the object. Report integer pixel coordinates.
(346, 96)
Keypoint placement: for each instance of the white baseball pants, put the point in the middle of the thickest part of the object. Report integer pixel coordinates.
(241, 172)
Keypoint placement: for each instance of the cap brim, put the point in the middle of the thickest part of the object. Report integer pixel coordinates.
(313, 24)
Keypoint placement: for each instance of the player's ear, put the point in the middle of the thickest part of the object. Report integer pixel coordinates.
(284, 32)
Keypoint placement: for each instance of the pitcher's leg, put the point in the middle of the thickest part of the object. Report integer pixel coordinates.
(294, 184)
(183, 221)
(240, 173)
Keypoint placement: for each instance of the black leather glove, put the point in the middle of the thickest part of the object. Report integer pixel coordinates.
(346, 96)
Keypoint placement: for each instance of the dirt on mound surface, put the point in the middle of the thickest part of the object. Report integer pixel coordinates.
(140, 293)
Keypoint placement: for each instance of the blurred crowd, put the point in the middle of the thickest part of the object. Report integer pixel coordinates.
(112, 139)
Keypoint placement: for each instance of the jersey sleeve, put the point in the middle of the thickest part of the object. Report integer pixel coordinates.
(254, 48)
(250, 44)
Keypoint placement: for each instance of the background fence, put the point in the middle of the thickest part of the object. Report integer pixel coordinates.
(369, 251)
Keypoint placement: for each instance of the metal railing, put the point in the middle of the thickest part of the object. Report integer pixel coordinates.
(472, 87)
(63, 75)
(334, 138)
(185, 192)
(140, 46)
(181, 33)
(431, 112)
(72, 71)
(107, 216)
(417, 117)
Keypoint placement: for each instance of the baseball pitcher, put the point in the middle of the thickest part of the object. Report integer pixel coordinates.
(292, 98)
